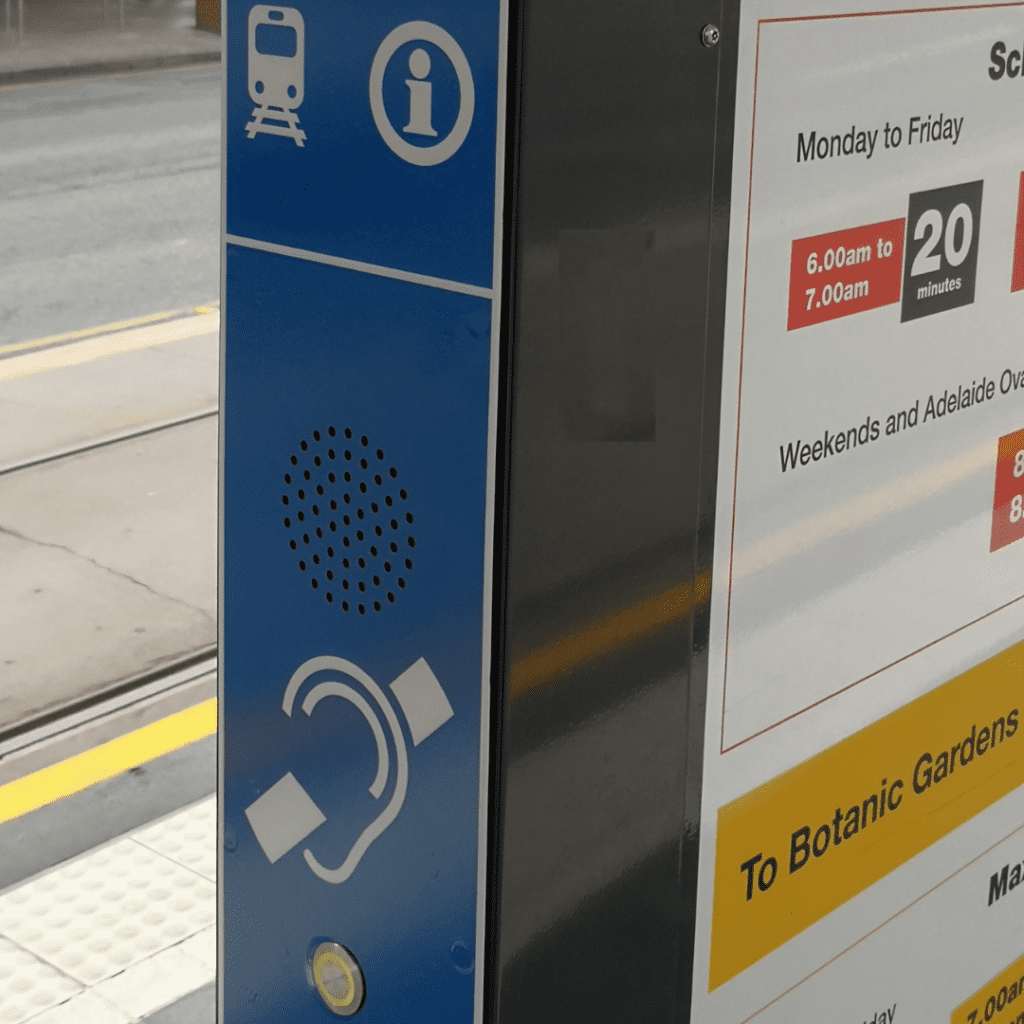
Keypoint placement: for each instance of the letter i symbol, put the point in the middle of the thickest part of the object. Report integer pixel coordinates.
(420, 99)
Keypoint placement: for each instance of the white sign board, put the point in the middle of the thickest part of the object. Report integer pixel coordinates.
(863, 756)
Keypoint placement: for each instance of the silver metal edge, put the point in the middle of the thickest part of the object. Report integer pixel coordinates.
(483, 824)
(220, 507)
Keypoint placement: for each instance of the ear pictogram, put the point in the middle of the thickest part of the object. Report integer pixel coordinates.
(285, 814)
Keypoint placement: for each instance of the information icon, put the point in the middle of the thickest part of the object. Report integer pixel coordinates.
(420, 94)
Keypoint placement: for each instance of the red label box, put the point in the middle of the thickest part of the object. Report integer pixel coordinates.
(1008, 507)
(1017, 281)
(845, 272)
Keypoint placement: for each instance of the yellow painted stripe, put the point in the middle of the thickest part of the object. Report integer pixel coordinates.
(75, 353)
(629, 625)
(107, 760)
(88, 332)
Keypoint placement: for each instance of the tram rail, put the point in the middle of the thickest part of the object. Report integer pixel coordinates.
(117, 697)
(128, 434)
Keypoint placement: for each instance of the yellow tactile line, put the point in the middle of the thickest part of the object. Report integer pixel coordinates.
(107, 760)
(151, 741)
(57, 357)
(88, 332)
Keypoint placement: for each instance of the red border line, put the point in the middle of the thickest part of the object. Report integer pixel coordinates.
(882, 14)
(722, 748)
(739, 394)
(871, 675)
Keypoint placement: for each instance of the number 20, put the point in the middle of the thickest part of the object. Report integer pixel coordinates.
(927, 261)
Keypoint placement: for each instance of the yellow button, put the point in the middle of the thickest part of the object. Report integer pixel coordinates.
(338, 979)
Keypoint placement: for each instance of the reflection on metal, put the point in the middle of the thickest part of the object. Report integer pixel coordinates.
(607, 536)
(864, 509)
(626, 626)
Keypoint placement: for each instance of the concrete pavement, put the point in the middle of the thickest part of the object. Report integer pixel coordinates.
(110, 555)
(109, 563)
(110, 210)
(45, 39)
(98, 388)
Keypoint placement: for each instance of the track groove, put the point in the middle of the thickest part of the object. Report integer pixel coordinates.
(112, 698)
(103, 442)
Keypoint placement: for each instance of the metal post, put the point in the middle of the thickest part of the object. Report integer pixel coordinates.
(21, 20)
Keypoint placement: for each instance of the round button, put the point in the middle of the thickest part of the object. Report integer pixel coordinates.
(338, 979)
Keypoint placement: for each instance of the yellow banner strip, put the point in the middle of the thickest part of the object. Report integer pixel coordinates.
(107, 760)
(1001, 1001)
(798, 847)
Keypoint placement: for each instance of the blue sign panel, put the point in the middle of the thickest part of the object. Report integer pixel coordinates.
(357, 458)
(384, 147)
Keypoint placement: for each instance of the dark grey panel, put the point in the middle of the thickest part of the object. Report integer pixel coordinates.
(604, 335)
(606, 535)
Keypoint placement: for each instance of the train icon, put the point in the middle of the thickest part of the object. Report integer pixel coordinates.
(277, 46)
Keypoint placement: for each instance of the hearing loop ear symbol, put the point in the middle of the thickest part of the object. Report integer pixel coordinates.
(332, 688)
(285, 814)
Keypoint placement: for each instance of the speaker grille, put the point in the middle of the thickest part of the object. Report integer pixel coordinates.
(348, 519)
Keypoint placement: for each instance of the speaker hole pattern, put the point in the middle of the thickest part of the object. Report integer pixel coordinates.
(350, 525)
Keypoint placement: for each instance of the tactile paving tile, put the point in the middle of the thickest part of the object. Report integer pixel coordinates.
(85, 1008)
(27, 985)
(155, 982)
(99, 914)
(189, 838)
(203, 947)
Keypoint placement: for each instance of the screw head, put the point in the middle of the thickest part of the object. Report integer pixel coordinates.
(710, 35)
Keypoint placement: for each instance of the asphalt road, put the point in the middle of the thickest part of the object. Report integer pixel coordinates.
(109, 199)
